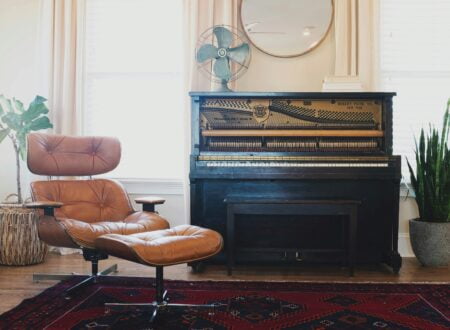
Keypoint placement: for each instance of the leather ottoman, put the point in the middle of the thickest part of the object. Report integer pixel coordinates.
(161, 248)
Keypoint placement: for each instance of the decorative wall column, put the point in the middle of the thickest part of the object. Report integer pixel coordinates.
(356, 28)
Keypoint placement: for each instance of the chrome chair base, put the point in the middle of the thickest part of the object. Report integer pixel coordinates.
(89, 255)
(60, 277)
(153, 307)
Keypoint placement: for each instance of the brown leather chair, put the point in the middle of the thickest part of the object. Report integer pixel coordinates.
(76, 212)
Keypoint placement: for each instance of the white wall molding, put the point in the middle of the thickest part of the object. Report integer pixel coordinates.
(153, 186)
(172, 190)
(404, 245)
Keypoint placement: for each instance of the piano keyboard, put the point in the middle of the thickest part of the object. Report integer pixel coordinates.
(291, 164)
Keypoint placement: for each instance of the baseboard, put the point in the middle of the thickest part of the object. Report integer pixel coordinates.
(404, 245)
(153, 186)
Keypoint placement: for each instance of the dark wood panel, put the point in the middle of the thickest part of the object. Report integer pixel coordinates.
(375, 222)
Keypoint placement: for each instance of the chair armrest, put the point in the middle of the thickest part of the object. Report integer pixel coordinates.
(149, 202)
(48, 206)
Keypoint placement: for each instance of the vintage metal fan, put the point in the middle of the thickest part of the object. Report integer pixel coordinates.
(223, 53)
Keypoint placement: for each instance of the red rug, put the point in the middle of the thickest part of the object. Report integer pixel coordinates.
(245, 305)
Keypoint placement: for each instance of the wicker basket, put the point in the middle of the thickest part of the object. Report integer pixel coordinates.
(19, 241)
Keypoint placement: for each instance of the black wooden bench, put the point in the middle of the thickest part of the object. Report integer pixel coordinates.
(284, 206)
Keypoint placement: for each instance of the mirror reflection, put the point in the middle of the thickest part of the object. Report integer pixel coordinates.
(286, 28)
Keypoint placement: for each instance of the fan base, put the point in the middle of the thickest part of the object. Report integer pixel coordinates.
(223, 87)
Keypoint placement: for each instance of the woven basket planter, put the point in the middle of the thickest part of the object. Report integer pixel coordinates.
(19, 241)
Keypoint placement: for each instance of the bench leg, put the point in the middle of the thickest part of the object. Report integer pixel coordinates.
(230, 240)
(352, 240)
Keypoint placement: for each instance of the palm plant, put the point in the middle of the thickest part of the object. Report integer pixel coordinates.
(16, 123)
(431, 180)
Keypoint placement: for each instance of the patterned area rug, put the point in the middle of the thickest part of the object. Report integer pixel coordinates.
(243, 305)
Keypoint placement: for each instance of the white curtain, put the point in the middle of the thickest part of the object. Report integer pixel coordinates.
(61, 48)
(200, 15)
(60, 66)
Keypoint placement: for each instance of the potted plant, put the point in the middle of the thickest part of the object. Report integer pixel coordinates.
(19, 241)
(430, 233)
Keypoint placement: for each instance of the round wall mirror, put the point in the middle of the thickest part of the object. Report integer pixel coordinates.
(286, 28)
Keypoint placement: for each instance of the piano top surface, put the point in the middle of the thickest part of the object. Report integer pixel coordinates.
(309, 95)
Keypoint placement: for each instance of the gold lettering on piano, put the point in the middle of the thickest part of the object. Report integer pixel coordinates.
(260, 112)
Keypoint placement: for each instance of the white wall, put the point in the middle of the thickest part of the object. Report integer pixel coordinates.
(303, 73)
(171, 190)
(18, 42)
(18, 78)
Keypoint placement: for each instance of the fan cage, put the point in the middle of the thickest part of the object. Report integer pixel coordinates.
(237, 69)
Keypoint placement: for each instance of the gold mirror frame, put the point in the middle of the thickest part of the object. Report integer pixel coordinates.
(314, 45)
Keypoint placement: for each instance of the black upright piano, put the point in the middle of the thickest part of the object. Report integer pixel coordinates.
(300, 146)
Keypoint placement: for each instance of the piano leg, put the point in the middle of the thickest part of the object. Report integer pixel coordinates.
(394, 260)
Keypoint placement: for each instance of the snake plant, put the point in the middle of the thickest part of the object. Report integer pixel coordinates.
(431, 180)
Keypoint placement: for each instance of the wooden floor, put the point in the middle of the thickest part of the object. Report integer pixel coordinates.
(16, 282)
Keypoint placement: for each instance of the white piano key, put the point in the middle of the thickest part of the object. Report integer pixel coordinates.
(291, 164)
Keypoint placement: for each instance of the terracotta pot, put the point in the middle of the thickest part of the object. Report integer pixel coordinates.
(430, 242)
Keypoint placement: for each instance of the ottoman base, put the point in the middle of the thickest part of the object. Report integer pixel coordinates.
(160, 304)
(160, 248)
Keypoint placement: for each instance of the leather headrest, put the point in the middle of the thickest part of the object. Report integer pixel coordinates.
(61, 155)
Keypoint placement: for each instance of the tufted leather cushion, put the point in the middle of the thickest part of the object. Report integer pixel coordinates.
(85, 200)
(181, 244)
(91, 208)
(84, 233)
(58, 155)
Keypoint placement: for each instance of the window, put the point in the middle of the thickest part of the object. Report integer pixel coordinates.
(133, 83)
(415, 63)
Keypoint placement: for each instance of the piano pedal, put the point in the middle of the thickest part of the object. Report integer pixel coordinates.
(298, 256)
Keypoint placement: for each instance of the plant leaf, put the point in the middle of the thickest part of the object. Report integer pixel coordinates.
(2, 100)
(39, 99)
(13, 121)
(35, 109)
(7, 106)
(40, 123)
(3, 134)
(18, 105)
(431, 180)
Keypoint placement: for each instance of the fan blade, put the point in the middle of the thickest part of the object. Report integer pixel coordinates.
(224, 37)
(239, 54)
(222, 68)
(206, 52)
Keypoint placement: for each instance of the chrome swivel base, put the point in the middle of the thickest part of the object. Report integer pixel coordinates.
(160, 304)
(90, 255)
(60, 277)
